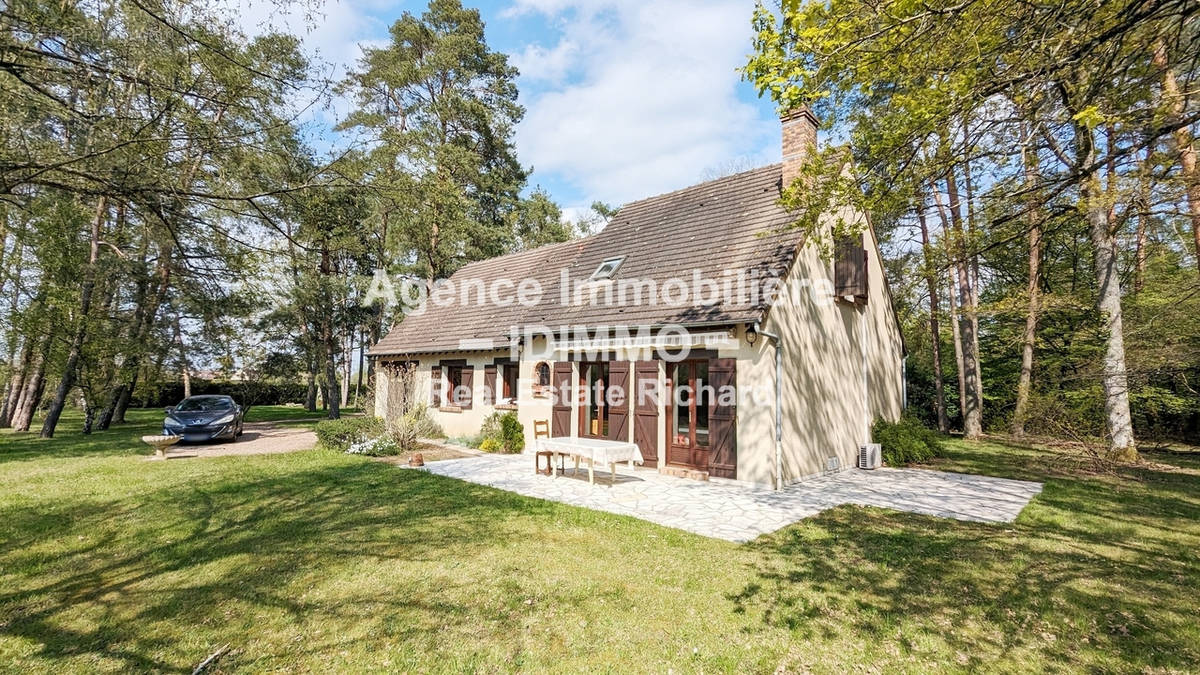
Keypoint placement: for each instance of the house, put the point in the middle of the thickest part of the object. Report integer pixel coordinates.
(664, 329)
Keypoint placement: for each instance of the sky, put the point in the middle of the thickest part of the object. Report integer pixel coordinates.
(624, 99)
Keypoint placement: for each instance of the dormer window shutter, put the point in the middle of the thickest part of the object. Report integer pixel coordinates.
(850, 268)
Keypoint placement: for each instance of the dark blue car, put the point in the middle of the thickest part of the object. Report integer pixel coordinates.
(205, 418)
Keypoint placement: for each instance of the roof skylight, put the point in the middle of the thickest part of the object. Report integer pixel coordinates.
(608, 268)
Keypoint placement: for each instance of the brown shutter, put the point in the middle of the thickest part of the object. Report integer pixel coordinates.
(489, 385)
(722, 419)
(560, 415)
(618, 410)
(645, 418)
(468, 378)
(435, 386)
(850, 267)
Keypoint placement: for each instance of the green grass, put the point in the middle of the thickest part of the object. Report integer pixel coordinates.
(316, 561)
(121, 439)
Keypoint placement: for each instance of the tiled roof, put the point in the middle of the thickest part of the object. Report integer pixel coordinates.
(729, 224)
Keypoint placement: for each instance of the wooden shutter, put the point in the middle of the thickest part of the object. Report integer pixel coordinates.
(489, 385)
(850, 268)
(435, 386)
(645, 417)
(722, 419)
(618, 410)
(468, 378)
(560, 414)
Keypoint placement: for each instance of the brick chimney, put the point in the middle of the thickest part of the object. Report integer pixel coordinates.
(799, 141)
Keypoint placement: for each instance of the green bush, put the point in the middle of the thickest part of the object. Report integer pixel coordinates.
(504, 431)
(340, 434)
(512, 433)
(906, 441)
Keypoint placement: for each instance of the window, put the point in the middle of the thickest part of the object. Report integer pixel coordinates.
(458, 381)
(454, 382)
(508, 388)
(691, 400)
(594, 411)
(608, 268)
(541, 379)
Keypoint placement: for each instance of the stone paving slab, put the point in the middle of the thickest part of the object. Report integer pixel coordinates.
(741, 513)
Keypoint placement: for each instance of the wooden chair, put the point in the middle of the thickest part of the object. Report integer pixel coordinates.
(541, 429)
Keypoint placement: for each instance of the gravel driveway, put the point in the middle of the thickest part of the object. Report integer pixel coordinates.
(258, 438)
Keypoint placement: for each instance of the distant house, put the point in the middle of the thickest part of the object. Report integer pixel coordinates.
(615, 310)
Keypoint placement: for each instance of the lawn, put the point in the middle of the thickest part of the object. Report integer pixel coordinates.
(318, 561)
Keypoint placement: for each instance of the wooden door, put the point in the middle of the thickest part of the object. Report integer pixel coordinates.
(618, 410)
(679, 447)
(722, 419)
(645, 409)
(560, 414)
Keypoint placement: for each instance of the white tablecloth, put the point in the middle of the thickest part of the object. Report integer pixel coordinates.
(597, 450)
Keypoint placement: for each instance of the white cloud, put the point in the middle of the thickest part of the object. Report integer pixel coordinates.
(651, 98)
(538, 63)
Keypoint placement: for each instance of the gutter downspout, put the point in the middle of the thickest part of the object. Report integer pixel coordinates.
(776, 340)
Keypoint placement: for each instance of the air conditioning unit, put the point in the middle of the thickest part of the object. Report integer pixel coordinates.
(870, 456)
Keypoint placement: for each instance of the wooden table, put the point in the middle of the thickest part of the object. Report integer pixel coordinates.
(594, 450)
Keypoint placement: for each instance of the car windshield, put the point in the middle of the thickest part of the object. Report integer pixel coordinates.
(204, 404)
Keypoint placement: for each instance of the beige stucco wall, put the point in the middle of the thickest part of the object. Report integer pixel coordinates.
(829, 398)
(467, 422)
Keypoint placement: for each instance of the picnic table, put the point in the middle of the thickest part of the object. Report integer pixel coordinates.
(594, 450)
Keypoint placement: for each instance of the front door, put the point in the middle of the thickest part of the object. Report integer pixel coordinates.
(593, 408)
(690, 403)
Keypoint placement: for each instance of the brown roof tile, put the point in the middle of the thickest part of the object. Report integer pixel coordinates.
(732, 223)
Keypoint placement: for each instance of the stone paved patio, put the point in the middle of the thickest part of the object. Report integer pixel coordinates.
(739, 513)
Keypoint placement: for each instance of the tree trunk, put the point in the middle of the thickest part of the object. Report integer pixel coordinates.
(1143, 220)
(362, 355)
(35, 386)
(16, 384)
(1108, 301)
(310, 397)
(958, 351)
(346, 363)
(70, 373)
(968, 321)
(185, 368)
(331, 382)
(1029, 337)
(966, 344)
(1184, 147)
(939, 403)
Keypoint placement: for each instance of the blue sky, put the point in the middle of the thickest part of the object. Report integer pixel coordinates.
(624, 99)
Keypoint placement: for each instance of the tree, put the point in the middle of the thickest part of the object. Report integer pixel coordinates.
(438, 108)
(921, 109)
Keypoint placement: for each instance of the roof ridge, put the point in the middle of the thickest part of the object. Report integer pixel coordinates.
(731, 177)
(540, 249)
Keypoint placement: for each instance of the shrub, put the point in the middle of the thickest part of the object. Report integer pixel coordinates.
(512, 433)
(408, 429)
(504, 431)
(906, 441)
(340, 434)
(375, 447)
